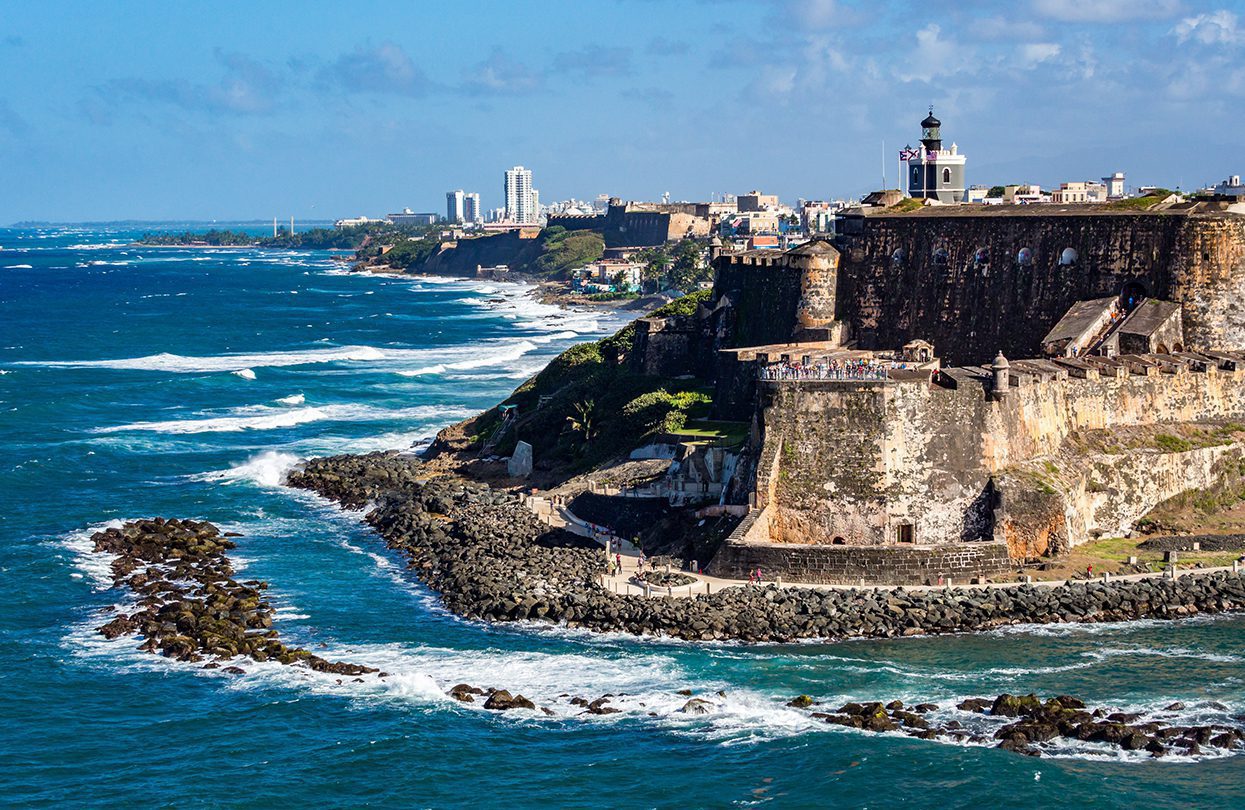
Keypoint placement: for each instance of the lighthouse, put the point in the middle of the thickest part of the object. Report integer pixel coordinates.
(934, 172)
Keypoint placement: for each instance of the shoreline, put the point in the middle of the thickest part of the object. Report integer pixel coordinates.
(489, 558)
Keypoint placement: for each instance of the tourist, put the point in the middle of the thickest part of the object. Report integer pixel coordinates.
(1089, 570)
(759, 578)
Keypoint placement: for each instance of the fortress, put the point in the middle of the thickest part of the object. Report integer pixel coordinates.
(950, 392)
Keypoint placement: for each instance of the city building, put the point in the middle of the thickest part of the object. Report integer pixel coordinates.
(756, 201)
(521, 202)
(976, 194)
(354, 222)
(472, 213)
(1115, 186)
(1080, 192)
(933, 172)
(1231, 187)
(408, 217)
(1024, 195)
(454, 205)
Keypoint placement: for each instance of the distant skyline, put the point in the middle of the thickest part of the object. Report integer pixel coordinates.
(147, 110)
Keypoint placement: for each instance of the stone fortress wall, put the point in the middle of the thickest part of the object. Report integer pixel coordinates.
(873, 463)
(975, 281)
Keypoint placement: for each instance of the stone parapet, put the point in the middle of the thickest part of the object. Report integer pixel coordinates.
(853, 565)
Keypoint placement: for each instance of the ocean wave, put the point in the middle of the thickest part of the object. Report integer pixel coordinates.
(293, 399)
(264, 417)
(267, 469)
(464, 356)
(245, 373)
(509, 354)
(95, 566)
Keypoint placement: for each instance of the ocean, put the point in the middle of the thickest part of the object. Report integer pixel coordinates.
(137, 382)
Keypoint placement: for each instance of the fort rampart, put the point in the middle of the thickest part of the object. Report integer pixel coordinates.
(975, 281)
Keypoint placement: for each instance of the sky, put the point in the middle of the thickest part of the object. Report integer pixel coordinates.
(136, 110)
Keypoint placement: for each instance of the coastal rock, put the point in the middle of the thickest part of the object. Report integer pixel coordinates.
(490, 558)
(190, 606)
(696, 706)
(502, 700)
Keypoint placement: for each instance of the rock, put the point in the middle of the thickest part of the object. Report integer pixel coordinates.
(234, 670)
(978, 705)
(502, 700)
(1175, 707)
(1006, 705)
(520, 464)
(697, 706)
(801, 702)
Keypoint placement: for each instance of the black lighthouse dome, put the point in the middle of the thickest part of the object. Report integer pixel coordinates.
(931, 132)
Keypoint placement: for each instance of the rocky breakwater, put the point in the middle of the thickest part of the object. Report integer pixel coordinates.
(490, 558)
(189, 606)
(1028, 725)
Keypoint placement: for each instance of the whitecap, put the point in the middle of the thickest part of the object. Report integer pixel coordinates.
(19, 267)
(245, 373)
(293, 399)
(268, 469)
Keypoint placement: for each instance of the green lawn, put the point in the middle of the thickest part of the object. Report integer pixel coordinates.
(730, 433)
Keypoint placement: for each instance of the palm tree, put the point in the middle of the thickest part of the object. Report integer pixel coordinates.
(583, 421)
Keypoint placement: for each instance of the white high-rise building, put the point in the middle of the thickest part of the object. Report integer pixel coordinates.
(519, 202)
(471, 208)
(454, 205)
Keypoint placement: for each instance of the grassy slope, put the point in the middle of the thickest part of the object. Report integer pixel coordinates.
(595, 380)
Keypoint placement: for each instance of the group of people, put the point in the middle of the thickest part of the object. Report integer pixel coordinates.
(833, 369)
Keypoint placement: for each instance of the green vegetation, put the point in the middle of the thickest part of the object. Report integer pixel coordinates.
(562, 251)
(595, 405)
(352, 238)
(727, 434)
(682, 266)
(995, 192)
(614, 296)
(1141, 203)
(905, 205)
(1172, 444)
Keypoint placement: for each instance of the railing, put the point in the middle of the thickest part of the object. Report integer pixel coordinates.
(867, 371)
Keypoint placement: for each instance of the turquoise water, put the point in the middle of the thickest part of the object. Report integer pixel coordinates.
(140, 382)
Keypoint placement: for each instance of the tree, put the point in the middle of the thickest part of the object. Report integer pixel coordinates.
(656, 267)
(995, 191)
(583, 420)
(688, 266)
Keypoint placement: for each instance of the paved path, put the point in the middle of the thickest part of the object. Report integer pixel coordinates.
(560, 516)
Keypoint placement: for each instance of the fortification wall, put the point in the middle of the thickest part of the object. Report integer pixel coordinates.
(873, 463)
(747, 550)
(974, 284)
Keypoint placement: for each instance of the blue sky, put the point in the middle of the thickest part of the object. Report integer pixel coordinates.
(171, 110)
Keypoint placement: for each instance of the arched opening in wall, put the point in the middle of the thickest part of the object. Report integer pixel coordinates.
(1161, 349)
(905, 533)
(946, 175)
(1068, 256)
(941, 257)
(1024, 257)
(1177, 348)
(897, 257)
(1132, 294)
(838, 541)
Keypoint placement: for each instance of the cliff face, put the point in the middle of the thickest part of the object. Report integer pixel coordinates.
(974, 284)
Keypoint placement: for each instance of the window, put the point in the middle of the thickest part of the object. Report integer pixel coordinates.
(838, 541)
(1025, 257)
(904, 533)
(1068, 256)
(946, 175)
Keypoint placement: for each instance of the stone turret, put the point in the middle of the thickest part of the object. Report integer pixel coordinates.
(1000, 368)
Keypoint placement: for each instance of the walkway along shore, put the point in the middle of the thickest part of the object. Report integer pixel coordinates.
(490, 557)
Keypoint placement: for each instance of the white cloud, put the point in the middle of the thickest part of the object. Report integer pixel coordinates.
(1034, 53)
(1106, 10)
(1216, 28)
(934, 56)
(1003, 28)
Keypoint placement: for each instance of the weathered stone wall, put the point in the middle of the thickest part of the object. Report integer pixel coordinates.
(959, 279)
(764, 292)
(666, 347)
(858, 462)
(844, 565)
